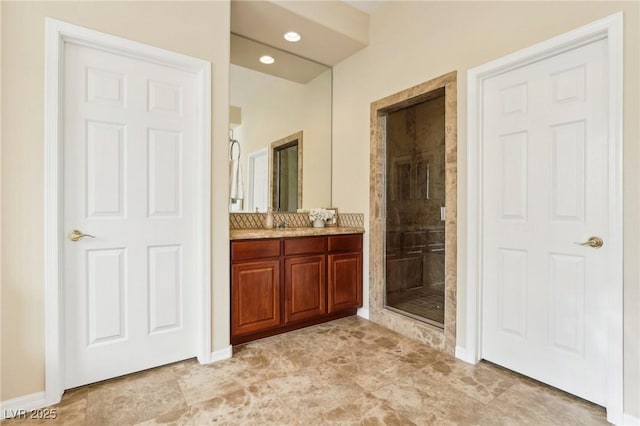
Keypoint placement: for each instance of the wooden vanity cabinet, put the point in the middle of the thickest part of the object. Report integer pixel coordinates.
(255, 283)
(345, 272)
(256, 296)
(304, 278)
(282, 284)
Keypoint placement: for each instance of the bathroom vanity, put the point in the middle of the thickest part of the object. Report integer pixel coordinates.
(282, 280)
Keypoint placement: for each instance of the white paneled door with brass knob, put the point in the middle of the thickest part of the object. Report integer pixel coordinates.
(130, 163)
(545, 220)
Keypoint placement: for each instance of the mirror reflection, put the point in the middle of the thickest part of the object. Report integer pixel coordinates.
(280, 136)
(286, 179)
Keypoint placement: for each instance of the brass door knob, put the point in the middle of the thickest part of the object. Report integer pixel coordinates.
(76, 235)
(594, 242)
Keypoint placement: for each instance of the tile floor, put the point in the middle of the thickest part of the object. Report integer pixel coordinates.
(421, 301)
(348, 371)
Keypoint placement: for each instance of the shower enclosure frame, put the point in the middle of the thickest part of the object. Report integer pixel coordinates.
(431, 335)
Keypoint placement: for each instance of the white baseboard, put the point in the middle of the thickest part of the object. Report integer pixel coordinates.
(630, 420)
(363, 313)
(220, 354)
(22, 405)
(461, 354)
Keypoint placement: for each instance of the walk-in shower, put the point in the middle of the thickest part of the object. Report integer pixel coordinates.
(416, 210)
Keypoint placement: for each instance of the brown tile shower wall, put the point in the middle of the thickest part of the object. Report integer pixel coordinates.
(411, 164)
(416, 191)
(294, 220)
(407, 270)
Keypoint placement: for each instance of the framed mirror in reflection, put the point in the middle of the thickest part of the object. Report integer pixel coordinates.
(285, 186)
(273, 108)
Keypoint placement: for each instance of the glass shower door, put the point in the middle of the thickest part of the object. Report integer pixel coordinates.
(415, 203)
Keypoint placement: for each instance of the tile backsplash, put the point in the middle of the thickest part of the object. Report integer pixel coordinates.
(294, 220)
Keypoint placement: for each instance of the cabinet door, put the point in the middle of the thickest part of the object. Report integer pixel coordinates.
(255, 295)
(304, 281)
(345, 281)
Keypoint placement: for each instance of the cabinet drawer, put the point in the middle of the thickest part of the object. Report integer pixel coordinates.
(303, 246)
(251, 250)
(345, 242)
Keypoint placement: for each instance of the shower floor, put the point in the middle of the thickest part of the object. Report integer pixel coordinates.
(421, 301)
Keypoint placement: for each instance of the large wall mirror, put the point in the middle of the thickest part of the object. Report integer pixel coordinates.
(280, 136)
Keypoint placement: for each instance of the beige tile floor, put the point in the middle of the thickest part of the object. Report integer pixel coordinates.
(349, 371)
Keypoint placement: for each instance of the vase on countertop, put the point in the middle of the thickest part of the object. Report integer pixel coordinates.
(318, 223)
(268, 220)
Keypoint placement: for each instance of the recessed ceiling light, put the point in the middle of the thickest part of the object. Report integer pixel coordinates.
(292, 36)
(266, 59)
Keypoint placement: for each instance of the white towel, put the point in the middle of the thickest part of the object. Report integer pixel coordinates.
(236, 191)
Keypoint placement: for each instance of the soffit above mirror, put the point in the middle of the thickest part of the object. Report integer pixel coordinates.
(367, 6)
(246, 53)
(331, 31)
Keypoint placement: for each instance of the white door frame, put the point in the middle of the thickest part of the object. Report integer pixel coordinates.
(58, 34)
(251, 158)
(609, 28)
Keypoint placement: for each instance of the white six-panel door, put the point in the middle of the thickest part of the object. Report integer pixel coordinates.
(545, 188)
(130, 169)
(258, 180)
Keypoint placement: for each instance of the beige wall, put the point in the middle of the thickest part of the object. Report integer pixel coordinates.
(412, 42)
(197, 29)
(1, 223)
(284, 109)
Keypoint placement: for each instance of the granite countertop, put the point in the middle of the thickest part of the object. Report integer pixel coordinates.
(246, 234)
